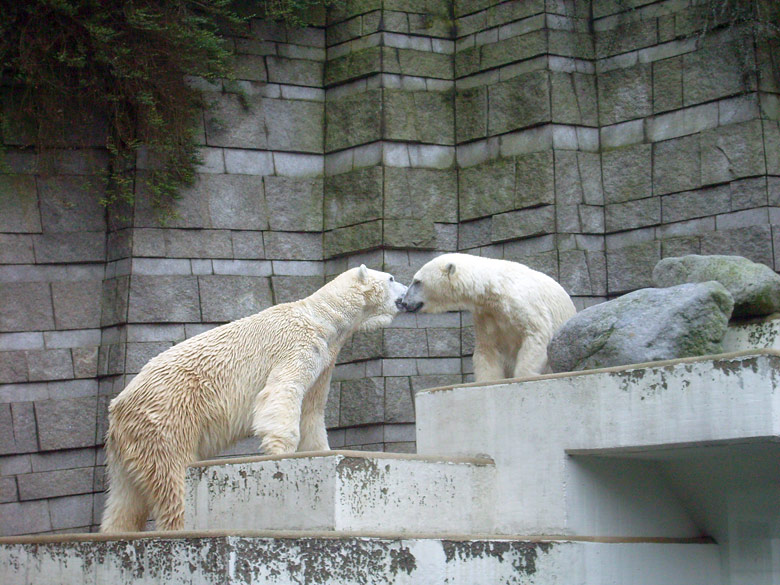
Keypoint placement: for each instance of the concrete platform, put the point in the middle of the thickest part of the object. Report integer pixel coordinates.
(230, 558)
(344, 491)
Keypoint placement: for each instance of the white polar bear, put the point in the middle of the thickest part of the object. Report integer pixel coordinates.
(267, 374)
(516, 310)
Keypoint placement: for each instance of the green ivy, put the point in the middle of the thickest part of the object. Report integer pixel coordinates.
(70, 66)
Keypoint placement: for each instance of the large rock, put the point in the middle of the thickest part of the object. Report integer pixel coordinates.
(754, 287)
(643, 326)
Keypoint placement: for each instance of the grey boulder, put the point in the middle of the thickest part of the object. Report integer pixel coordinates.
(755, 287)
(646, 325)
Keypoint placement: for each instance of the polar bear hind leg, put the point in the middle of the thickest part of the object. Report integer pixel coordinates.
(314, 436)
(126, 507)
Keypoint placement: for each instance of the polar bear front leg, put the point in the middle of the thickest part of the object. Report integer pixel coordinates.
(314, 435)
(531, 357)
(277, 416)
(488, 364)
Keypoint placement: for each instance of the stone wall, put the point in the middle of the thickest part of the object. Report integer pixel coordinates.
(585, 139)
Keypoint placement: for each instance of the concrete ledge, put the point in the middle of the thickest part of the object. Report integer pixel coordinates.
(243, 559)
(342, 490)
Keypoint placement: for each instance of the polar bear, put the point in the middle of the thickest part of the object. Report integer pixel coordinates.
(516, 310)
(267, 374)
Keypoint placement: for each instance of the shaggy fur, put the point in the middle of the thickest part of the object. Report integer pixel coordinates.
(516, 310)
(267, 375)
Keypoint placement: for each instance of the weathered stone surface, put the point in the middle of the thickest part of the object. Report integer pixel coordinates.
(573, 98)
(362, 401)
(354, 197)
(294, 204)
(66, 424)
(583, 272)
(25, 306)
(295, 71)
(166, 299)
(24, 518)
(16, 249)
(298, 245)
(70, 204)
(293, 288)
(363, 236)
(632, 214)
(667, 84)
(420, 193)
(418, 116)
(52, 364)
(417, 63)
(523, 223)
(520, 102)
(50, 484)
(676, 165)
(409, 233)
(399, 402)
(487, 189)
(753, 242)
(731, 152)
(13, 369)
(754, 287)
(627, 173)
(643, 326)
(226, 298)
(471, 106)
(535, 179)
(405, 343)
(19, 204)
(702, 82)
(352, 120)
(352, 65)
(76, 304)
(513, 49)
(625, 94)
(70, 247)
(629, 268)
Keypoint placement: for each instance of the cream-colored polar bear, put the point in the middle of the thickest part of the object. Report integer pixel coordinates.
(267, 374)
(516, 310)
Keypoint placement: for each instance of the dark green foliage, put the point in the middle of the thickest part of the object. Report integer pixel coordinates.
(69, 67)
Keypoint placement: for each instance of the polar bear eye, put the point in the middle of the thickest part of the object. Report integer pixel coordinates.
(392, 279)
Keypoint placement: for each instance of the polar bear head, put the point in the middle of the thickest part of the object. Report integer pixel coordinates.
(447, 283)
(377, 292)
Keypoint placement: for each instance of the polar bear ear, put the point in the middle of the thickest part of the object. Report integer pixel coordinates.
(450, 269)
(362, 273)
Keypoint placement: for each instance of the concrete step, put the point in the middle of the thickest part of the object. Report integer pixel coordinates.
(236, 558)
(342, 490)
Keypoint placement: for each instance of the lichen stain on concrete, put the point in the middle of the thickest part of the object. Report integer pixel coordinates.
(522, 555)
(279, 476)
(629, 379)
(314, 561)
(737, 366)
(363, 471)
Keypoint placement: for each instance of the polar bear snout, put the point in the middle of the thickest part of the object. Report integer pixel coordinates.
(411, 301)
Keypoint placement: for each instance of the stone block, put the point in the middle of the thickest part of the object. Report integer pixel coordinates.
(85, 360)
(226, 298)
(467, 61)
(294, 204)
(248, 245)
(583, 272)
(404, 343)
(138, 354)
(24, 425)
(473, 234)
(732, 152)
(353, 65)
(443, 342)
(676, 165)
(352, 120)
(487, 189)
(420, 193)
(18, 518)
(240, 161)
(667, 84)
(362, 401)
(295, 71)
(114, 302)
(66, 424)
(7, 442)
(352, 198)
(417, 63)
(52, 364)
(19, 204)
(301, 246)
(293, 288)
(535, 179)
(627, 173)
(409, 233)
(399, 401)
(573, 98)
(632, 214)
(295, 125)
(418, 116)
(164, 299)
(25, 306)
(513, 49)
(70, 247)
(52, 484)
(523, 223)
(772, 146)
(236, 121)
(70, 204)
(71, 511)
(8, 491)
(616, 103)
(749, 193)
(568, 43)
(13, 369)
(631, 267)
(76, 304)
(196, 244)
(714, 71)
(518, 103)
(355, 238)
(693, 204)
(16, 249)
(471, 106)
(752, 242)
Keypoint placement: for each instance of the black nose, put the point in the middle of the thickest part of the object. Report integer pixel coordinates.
(400, 304)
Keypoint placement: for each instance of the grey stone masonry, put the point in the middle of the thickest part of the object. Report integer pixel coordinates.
(588, 139)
